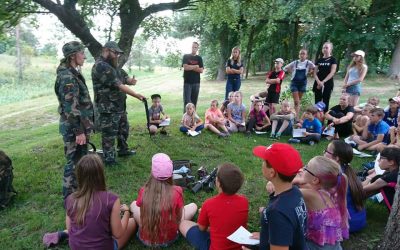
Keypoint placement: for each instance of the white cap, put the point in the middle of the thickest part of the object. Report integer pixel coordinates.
(359, 53)
(279, 60)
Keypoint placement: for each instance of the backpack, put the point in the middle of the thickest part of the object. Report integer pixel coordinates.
(7, 191)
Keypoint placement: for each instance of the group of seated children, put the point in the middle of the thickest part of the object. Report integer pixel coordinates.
(311, 214)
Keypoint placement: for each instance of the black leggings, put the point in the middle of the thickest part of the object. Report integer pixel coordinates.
(324, 96)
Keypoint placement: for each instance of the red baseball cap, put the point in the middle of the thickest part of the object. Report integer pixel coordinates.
(282, 157)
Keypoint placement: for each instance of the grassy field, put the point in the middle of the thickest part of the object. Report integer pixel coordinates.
(29, 135)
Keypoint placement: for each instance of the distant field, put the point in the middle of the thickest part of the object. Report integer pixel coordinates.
(29, 134)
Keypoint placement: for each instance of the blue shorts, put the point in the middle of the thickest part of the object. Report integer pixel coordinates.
(198, 239)
(298, 87)
(354, 90)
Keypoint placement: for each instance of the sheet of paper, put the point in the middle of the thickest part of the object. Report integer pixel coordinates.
(378, 170)
(329, 131)
(298, 132)
(361, 154)
(165, 122)
(192, 133)
(242, 236)
(260, 132)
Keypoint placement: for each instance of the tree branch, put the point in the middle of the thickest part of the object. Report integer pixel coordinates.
(153, 8)
(74, 22)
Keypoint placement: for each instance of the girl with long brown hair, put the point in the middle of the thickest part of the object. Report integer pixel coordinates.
(93, 214)
(159, 207)
(234, 70)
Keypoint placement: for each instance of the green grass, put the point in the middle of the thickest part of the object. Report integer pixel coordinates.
(29, 134)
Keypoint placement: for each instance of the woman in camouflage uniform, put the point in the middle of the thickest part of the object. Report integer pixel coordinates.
(75, 109)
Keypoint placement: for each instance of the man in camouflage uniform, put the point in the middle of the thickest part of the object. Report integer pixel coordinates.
(75, 109)
(109, 84)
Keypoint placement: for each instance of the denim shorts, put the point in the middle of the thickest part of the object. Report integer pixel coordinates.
(354, 90)
(198, 239)
(298, 87)
(166, 244)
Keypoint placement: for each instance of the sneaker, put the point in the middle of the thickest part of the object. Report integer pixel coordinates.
(272, 135)
(311, 143)
(278, 136)
(353, 144)
(222, 134)
(51, 239)
(293, 140)
(247, 133)
(124, 153)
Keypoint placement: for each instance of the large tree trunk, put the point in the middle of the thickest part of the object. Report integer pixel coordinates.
(391, 239)
(295, 51)
(249, 49)
(394, 70)
(226, 43)
(130, 12)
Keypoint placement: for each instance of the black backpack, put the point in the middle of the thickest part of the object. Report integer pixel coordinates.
(7, 191)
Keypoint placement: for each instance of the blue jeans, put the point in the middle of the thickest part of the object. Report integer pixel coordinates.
(185, 129)
(198, 239)
(232, 84)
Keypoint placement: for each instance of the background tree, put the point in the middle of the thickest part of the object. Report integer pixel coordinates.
(78, 17)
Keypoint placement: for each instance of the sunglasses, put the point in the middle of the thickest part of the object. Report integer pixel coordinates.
(305, 168)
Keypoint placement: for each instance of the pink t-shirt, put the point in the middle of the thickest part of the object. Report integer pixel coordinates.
(168, 228)
(214, 114)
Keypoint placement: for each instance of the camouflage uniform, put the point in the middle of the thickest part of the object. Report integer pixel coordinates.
(76, 117)
(110, 103)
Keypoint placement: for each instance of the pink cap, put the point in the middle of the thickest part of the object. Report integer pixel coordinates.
(161, 166)
(282, 157)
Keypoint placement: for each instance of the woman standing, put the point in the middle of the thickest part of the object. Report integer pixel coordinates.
(323, 74)
(356, 73)
(234, 68)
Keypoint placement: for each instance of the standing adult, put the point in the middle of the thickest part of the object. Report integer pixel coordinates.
(193, 66)
(323, 74)
(75, 109)
(356, 72)
(341, 117)
(109, 96)
(234, 69)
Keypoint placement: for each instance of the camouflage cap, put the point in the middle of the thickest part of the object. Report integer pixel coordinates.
(72, 47)
(114, 46)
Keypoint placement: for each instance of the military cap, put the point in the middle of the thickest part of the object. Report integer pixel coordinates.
(114, 46)
(72, 47)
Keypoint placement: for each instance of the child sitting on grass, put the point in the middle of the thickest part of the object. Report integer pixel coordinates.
(237, 113)
(258, 119)
(159, 207)
(215, 120)
(190, 120)
(220, 215)
(313, 128)
(282, 119)
(324, 191)
(155, 112)
(93, 214)
(362, 120)
(283, 221)
(376, 134)
(389, 161)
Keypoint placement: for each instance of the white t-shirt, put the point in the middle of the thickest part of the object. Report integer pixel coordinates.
(306, 64)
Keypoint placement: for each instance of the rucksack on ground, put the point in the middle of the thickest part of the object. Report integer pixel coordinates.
(7, 191)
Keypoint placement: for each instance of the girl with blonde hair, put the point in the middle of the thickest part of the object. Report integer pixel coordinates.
(234, 69)
(356, 72)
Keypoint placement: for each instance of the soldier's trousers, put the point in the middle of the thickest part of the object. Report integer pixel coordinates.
(73, 153)
(113, 126)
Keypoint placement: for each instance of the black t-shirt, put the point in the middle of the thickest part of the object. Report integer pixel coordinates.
(283, 221)
(388, 177)
(190, 76)
(233, 64)
(324, 68)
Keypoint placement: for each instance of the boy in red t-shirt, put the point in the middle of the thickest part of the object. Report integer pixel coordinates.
(274, 81)
(222, 214)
